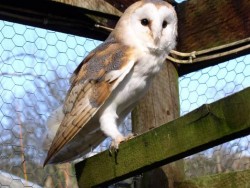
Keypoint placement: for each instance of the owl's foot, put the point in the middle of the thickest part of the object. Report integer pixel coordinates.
(116, 142)
(114, 146)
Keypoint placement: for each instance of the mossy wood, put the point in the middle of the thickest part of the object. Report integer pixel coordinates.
(238, 179)
(201, 129)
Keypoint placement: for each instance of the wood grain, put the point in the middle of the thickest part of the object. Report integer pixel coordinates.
(159, 106)
(208, 23)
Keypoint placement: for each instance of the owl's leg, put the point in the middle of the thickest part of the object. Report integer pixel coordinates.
(108, 125)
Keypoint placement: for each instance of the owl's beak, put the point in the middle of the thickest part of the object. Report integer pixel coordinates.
(156, 40)
(156, 37)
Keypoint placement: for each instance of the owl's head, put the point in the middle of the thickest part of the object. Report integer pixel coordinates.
(150, 25)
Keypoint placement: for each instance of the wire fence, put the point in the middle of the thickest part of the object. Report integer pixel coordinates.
(35, 66)
(206, 86)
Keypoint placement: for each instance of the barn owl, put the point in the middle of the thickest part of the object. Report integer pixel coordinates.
(107, 84)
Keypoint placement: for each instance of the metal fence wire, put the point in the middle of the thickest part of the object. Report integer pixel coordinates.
(35, 66)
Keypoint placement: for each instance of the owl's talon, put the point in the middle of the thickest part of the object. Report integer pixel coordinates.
(115, 143)
(113, 149)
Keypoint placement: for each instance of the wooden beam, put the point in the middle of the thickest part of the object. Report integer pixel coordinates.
(123, 4)
(201, 129)
(236, 179)
(95, 5)
(57, 16)
(208, 23)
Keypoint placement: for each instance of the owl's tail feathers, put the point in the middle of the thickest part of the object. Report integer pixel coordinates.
(52, 126)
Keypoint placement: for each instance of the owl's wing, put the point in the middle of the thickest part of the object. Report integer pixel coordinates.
(91, 84)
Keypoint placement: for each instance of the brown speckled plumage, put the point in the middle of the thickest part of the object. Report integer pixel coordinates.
(88, 84)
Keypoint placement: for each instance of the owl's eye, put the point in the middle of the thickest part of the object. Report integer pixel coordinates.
(164, 24)
(144, 22)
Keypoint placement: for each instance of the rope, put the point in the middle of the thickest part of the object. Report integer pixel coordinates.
(210, 53)
(203, 55)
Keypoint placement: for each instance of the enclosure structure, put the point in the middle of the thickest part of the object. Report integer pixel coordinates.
(36, 63)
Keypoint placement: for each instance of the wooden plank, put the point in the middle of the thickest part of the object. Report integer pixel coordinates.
(123, 4)
(95, 5)
(57, 16)
(238, 179)
(208, 23)
(201, 129)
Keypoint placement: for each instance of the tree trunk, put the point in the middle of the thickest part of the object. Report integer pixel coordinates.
(159, 106)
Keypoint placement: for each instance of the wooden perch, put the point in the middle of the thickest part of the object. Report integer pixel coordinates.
(199, 130)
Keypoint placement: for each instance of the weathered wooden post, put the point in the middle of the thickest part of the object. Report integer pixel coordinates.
(159, 106)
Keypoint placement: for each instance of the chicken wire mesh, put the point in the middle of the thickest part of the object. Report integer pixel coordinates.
(206, 86)
(35, 66)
